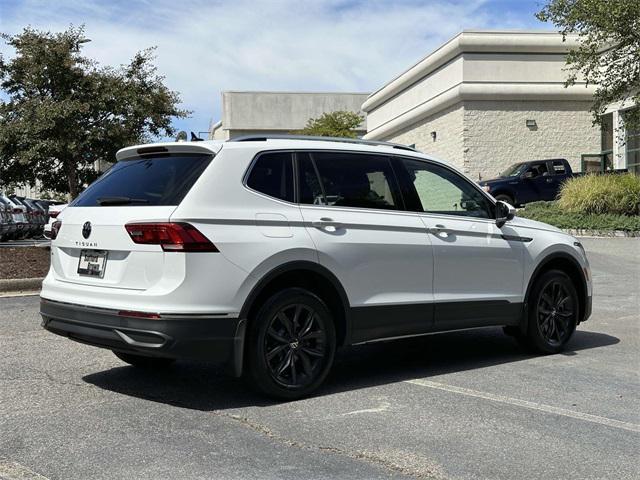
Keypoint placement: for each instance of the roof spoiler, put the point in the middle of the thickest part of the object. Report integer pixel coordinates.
(137, 151)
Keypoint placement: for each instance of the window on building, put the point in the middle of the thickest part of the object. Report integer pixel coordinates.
(442, 191)
(632, 146)
(347, 180)
(272, 174)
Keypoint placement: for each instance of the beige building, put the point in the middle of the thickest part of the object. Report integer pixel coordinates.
(487, 99)
(245, 113)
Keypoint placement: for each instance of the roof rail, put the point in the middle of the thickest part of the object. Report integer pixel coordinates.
(359, 141)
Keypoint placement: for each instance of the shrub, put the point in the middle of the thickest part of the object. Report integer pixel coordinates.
(553, 214)
(618, 194)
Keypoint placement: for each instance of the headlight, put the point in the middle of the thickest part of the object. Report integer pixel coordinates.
(486, 188)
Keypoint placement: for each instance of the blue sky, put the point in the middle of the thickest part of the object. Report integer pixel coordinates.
(205, 47)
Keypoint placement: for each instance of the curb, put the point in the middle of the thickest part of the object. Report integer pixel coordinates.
(20, 284)
(601, 233)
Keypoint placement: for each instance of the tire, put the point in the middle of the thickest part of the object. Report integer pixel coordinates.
(503, 197)
(140, 361)
(291, 345)
(553, 312)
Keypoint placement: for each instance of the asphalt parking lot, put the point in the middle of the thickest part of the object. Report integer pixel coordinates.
(456, 405)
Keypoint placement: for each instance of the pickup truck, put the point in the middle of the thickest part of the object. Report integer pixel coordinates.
(531, 181)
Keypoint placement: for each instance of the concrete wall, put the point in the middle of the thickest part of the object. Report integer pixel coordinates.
(426, 90)
(283, 111)
(484, 137)
(475, 65)
(495, 134)
(448, 145)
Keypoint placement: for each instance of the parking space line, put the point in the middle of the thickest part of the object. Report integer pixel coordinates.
(609, 422)
(15, 471)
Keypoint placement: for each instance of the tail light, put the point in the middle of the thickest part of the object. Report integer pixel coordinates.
(171, 236)
(16, 210)
(55, 229)
(54, 214)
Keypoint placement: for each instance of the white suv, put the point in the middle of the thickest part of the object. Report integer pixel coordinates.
(267, 254)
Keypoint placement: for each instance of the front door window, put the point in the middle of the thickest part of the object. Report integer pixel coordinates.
(442, 191)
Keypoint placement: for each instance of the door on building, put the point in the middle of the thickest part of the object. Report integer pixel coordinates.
(478, 268)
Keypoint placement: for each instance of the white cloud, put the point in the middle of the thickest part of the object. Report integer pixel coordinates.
(205, 47)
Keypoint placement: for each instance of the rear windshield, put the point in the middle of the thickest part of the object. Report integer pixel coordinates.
(156, 180)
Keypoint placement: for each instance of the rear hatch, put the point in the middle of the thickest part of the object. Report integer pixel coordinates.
(93, 247)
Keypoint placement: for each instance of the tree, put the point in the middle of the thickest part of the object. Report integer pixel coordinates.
(608, 55)
(335, 124)
(64, 112)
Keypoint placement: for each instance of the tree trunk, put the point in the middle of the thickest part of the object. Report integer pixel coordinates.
(72, 177)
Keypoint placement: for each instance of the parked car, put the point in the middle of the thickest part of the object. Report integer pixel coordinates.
(54, 211)
(267, 254)
(533, 181)
(31, 227)
(38, 216)
(7, 225)
(18, 212)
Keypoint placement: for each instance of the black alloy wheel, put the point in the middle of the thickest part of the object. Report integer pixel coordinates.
(295, 345)
(291, 344)
(553, 312)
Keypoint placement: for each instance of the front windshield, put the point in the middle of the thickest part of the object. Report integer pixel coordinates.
(514, 170)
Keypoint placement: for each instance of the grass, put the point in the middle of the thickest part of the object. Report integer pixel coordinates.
(553, 214)
(601, 194)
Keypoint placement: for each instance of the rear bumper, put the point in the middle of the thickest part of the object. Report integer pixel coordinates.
(214, 338)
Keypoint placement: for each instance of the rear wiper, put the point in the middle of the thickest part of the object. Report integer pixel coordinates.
(102, 201)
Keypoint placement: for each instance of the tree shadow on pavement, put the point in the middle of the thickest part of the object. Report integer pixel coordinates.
(205, 387)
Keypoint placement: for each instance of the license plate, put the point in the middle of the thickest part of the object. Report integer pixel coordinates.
(92, 263)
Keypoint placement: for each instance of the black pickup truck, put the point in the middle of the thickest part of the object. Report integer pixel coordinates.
(528, 182)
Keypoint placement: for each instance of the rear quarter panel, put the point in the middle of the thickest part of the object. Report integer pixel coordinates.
(251, 230)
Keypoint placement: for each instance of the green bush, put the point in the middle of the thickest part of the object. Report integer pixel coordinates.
(553, 214)
(617, 194)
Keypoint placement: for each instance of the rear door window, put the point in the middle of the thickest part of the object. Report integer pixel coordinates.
(272, 174)
(345, 179)
(154, 180)
(558, 168)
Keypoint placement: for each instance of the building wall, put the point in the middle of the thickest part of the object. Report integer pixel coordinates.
(448, 125)
(425, 90)
(482, 138)
(495, 134)
(283, 110)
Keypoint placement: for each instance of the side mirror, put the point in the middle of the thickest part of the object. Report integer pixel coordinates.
(504, 213)
(528, 174)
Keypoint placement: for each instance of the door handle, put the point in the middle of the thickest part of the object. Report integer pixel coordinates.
(549, 180)
(325, 222)
(439, 230)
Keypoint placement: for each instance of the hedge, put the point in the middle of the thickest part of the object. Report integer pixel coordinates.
(596, 194)
(553, 214)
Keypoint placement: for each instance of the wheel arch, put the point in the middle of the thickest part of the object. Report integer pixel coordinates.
(310, 276)
(505, 191)
(568, 264)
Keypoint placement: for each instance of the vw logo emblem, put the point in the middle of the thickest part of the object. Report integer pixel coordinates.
(86, 229)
